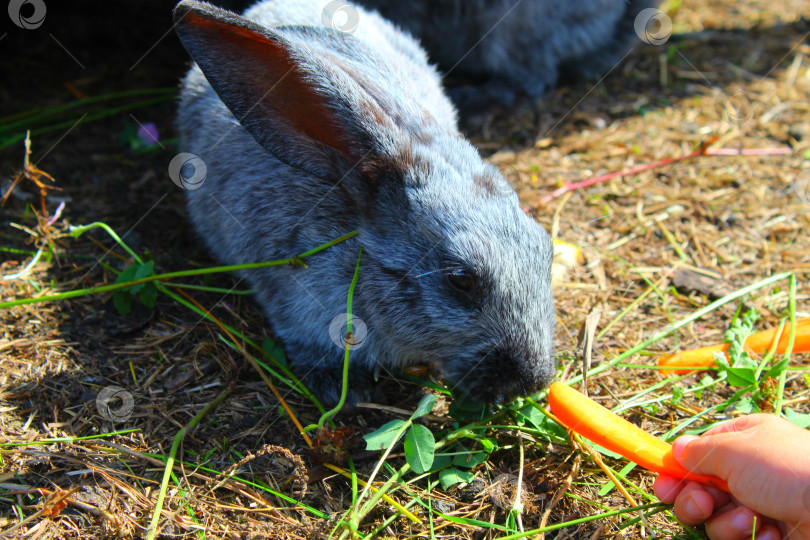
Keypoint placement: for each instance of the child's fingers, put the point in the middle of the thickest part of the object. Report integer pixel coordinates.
(666, 488)
(733, 523)
(741, 423)
(769, 532)
(694, 505)
(707, 455)
(764, 460)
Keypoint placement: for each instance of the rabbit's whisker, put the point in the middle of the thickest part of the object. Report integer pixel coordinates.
(446, 269)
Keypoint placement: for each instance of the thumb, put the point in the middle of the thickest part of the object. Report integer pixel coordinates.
(679, 446)
(704, 455)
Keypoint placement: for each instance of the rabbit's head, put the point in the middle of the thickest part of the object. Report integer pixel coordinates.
(453, 271)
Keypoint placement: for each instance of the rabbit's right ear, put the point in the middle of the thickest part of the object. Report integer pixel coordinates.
(294, 95)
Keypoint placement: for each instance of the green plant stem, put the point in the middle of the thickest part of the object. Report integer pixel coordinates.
(203, 288)
(691, 420)
(357, 515)
(378, 495)
(354, 480)
(451, 437)
(694, 316)
(638, 519)
(482, 424)
(383, 490)
(75, 232)
(17, 251)
(290, 379)
(10, 123)
(766, 359)
(581, 521)
(68, 439)
(172, 275)
(630, 404)
(13, 138)
(235, 478)
(517, 506)
(624, 312)
(388, 521)
(345, 387)
(780, 392)
(153, 525)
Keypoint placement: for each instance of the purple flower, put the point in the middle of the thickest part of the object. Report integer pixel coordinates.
(148, 134)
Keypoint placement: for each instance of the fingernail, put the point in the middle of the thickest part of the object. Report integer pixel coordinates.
(742, 520)
(769, 534)
(679, 446)
(693, 508)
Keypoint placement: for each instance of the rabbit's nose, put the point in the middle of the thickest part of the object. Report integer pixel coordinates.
(514, 375)
(533, 375)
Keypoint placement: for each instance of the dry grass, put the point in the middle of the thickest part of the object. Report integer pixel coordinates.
(735, 219)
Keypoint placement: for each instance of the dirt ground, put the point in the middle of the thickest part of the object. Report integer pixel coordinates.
(735, 75)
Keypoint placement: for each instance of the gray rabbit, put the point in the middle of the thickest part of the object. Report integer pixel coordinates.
(519, 46)
(310, 129)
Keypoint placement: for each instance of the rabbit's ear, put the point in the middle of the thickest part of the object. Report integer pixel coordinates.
(294, 95)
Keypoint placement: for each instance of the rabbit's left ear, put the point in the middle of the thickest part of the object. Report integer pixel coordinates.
(290, 90)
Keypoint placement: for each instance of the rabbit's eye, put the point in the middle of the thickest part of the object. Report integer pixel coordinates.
(461, 280)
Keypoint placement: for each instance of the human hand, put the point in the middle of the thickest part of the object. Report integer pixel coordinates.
(766, 462)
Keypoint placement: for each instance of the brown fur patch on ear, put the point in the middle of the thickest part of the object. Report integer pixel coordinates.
(485, 182)
(405, 160)
(373, 111)
(403, 163)
(379, 170)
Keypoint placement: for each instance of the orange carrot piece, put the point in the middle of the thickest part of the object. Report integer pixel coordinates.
(613, 432)
(689, 361)
(760, 342)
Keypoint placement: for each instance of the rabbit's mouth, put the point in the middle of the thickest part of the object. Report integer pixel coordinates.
(489, 393)
(500, 378)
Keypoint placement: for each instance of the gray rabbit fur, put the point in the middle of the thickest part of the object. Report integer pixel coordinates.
(519, 46)
(308, 133)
